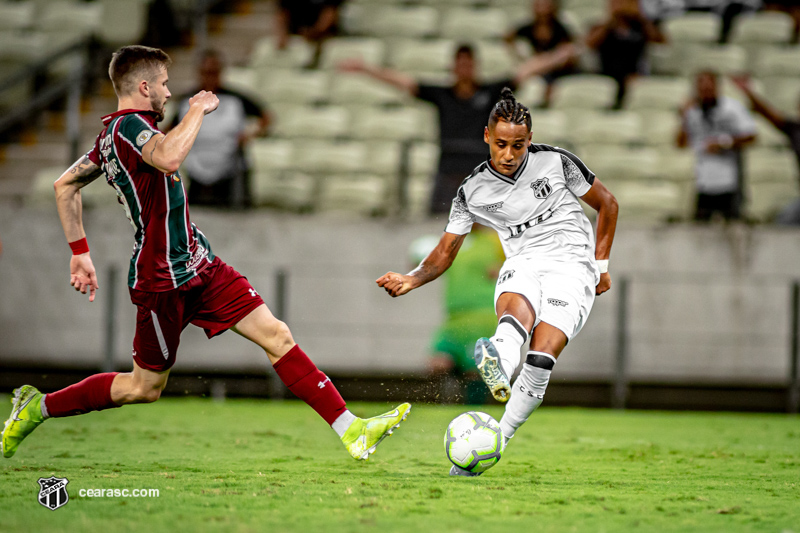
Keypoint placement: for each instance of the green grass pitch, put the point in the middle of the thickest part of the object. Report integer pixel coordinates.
(251, 465)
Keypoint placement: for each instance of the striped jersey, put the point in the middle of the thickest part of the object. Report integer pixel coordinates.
(536, 210)
(168, 250)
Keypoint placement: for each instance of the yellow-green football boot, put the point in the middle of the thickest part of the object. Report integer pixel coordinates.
(364, 434)
(26, 414)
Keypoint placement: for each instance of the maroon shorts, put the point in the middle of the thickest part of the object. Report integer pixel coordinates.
(216, 299)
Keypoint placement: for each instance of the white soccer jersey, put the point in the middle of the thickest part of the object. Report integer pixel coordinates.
(535, 211)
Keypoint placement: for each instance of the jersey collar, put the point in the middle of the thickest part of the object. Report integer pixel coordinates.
(150, 116)
(508, 179)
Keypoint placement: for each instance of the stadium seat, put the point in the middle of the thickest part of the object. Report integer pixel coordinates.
(783, 93)
(657, 92)
(666, 59)
(292, 87)
(78, 19)
(406, 21)
(418, 194)
(778, 61)
(649, 201)
(550, 127)
(763, 27)
(242, 79)
(321, 122)
(768, 135)
(428, 127)
(676, 164)
(619, 163)
(383, 159)
(122, 21)
(366, 195)
(611, 128)
(531, 92)
(359, 89)
(727, 59)
(484, 23)
(331, 157)
(97, 194)
(356, 17)
(770, 165)
(16, 15)
(694, 28)
(765, 200)
(296, 191)
(584, 91)
(297, 53)
(494, 60)
(411, 55)
(387, 124)
(424, 159)
(369, 50)
(659, 128)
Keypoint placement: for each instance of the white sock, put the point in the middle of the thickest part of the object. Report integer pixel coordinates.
(527, 392)
(43, 407)
(507, 340)
(343, 422)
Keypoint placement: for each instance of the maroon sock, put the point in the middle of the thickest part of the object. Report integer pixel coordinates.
(91, 394)
(309, 384)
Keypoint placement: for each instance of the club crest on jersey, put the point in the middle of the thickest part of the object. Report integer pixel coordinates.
(505, 276)
(53, 492)
(143, 137)
(541, 188)
(492, 208)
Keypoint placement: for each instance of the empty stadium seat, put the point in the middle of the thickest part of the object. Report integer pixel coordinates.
(618, 163)
(418, 194)
(323, 122)
(424, 159)
(298, 53)
(390, 124)
(694, 28)
(659, 128)
(649, 201)
(332, 157)
(531, 92)
(770, 165)
(369, 50)
(724, 59)
(766, 200)
(293, 86)
(347, 88)
(405, 21)
(494, 60)
(383, 158)
(658, 92)
(676, 164)
(778, 61)
(584, 91)
(484, 23)
(411, 55)
(122, 21)
(16, 15)
(768, 135)
(618, 127)
(69, 18)
(762, 27)
(274, 178)
(549, 127)
(365, 195)
(783, 93)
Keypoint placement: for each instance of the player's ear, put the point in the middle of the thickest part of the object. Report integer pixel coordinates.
(486, 134)
(144, 88)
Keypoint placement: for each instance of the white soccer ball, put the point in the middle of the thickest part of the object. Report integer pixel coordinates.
(474, 441)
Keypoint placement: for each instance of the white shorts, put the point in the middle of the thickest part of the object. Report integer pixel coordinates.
(561, 293)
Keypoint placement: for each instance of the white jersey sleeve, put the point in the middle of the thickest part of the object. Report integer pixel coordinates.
(461, 219)
(579, 180)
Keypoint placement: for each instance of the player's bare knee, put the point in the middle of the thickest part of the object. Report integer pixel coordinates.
(146, 394)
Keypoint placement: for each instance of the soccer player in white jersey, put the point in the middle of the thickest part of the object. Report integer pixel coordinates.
(529, 194)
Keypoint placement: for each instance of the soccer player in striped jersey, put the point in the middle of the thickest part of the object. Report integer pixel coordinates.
(174, 277)
(529, 194)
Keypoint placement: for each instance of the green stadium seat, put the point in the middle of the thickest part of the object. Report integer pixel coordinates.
(401, 123)
(328, 157)
(413, 55)
(584, 91)
(659, 128)
(675, 164)
(494, 60)
(550, 127)
(319, 122)
(658, 92)
(783, 93)
(274, 178)
(694, 28)
(406, 21)
(369, 50)
(359, 89)
(531, 92)
(649, 201)
(611, 128)
(419, 191)
(618, 163)
(293, 87)
(383, 159)
(365, 195)
(424, 159)
(762, 28)
(473, 24)
(724, 59)
(778, 61)
(16, 15)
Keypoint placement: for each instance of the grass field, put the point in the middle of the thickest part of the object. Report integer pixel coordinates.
(248, 465)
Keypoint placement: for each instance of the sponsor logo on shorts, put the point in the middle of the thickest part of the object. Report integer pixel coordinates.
(53, 492)
(505, 276)
(557, 303)
(143, 137)
(541, 188)
(492, 208)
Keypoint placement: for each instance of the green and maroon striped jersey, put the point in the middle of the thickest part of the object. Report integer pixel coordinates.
(169, 250)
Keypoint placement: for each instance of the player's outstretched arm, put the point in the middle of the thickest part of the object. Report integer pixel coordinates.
(602, 201)
(70, 209)
(167, 152)
(431, 267)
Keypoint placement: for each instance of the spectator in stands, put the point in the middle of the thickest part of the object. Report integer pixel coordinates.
(464, 109)
(789, 126)
(717, 128)
(545, 33)
(316, 20)
(217, 168)
(731, 9)
(621, 42)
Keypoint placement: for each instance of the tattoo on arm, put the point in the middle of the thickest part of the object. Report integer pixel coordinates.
(85, 172)
(155, 143)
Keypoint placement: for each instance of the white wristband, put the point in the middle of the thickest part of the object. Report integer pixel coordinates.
(602, 264)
